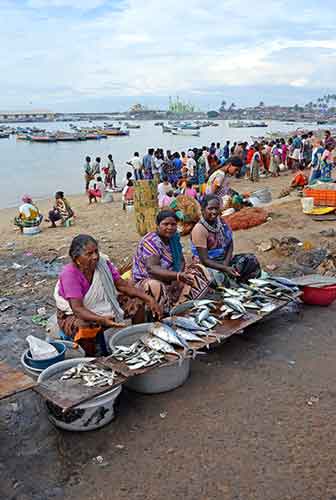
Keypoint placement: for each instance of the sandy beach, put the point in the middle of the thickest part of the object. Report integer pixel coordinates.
(115, 228)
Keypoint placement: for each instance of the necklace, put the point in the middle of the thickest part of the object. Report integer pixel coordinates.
(216, 228)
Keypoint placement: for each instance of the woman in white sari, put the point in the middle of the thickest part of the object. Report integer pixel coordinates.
(91, 296)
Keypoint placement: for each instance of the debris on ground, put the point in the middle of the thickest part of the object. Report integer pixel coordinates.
(312, 400)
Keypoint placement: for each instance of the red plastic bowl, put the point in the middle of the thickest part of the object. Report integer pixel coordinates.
(319, 296)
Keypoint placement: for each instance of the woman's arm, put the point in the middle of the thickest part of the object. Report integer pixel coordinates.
(155, 271)
(228, 256)
(85, 314)
(213, 264)
(131, 291)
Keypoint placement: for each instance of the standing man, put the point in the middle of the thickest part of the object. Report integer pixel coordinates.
(136, 164)
(112, 171)
(226, 150)
(148, 164)
(87, 172)
(96, 167)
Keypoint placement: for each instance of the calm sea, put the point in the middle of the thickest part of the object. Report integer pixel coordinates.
(42, 169)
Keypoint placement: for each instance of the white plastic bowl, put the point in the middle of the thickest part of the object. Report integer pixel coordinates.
(88, 416)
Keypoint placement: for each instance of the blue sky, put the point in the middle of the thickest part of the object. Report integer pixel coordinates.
(94, 55)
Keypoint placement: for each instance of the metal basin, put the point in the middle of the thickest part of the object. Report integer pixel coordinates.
(158, 380)
(88, 416)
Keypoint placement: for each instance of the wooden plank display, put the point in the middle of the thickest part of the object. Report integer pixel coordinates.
(13, 381)
(145, 206)
(70, 393)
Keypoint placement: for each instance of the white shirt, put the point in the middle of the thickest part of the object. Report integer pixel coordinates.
(163, 189)
(136, 162)
(191, 164)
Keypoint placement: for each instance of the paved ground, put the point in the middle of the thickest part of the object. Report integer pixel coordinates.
(241, 428)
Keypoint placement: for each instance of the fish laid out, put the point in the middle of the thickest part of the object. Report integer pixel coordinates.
(137, 355)
(165, 332)
(91, 375)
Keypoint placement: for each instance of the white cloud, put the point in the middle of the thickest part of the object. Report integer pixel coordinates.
(148, 47)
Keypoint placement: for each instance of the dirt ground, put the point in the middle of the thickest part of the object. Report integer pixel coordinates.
(254, 421)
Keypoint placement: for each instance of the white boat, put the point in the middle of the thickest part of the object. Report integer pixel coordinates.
(186, 131)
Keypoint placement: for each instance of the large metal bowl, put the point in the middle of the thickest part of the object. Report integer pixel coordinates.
(163, 379)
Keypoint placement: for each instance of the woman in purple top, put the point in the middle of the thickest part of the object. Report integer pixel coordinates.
(91, 296)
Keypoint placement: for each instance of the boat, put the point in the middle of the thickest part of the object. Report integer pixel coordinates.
(189, 126)
(132, 125)
(65, 137)
(22, 137)
(4, 135)
(94, 137)
(186, 132)
(159, 124)
(242, 124)
(167, 129)
(43, 138)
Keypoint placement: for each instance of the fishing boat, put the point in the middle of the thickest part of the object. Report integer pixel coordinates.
(65, 137)
(189, 126)
(132, 125)
(43, 138)
(94, 137)
(242, 124)
(186, 132)
(166, 129)
(22, 137)
(158, 124)
(4, 135)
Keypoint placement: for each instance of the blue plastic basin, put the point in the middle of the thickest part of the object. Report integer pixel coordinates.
(41, 364)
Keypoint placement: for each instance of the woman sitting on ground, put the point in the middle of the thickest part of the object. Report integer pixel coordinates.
(61, 211)
(91, 296)
(29, 215)
(212, 246)
(160, 269)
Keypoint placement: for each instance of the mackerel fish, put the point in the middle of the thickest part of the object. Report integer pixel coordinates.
(159, 345)
(184, 322)
(166, 333)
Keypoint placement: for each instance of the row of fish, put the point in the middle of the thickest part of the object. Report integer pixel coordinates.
(91, 375)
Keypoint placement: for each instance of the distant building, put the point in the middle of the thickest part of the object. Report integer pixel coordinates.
(26, 116)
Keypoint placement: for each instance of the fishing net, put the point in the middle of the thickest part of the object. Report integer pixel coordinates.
(246, 218)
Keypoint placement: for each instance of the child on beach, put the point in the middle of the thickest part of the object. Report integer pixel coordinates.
(96, 189)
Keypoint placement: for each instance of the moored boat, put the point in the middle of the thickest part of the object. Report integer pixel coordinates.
(186, 132)
(43, 138)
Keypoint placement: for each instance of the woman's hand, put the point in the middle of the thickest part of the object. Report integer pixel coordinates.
(109, 321)
(186, 278)
(155, 308)
(232, 272)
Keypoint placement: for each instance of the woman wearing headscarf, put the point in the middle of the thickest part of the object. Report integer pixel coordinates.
(160, 269)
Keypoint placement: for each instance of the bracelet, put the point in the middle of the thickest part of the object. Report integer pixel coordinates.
(178, 277)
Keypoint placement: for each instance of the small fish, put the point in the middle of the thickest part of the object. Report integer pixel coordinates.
(251, 305)
(166, 333)
(236, 316)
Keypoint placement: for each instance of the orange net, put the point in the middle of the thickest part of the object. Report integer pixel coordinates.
(246, 218)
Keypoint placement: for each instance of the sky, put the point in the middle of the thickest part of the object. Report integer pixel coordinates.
(104, 55)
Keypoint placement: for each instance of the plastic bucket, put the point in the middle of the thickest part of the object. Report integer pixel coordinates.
(323, 296)
(163, 379)
(88, 416)
(307, 205)
(30, 231)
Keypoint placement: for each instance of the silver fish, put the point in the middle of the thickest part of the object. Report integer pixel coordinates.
(184, 322)
(188, 336)
(160, 345)
(236, 305)
(204, 314)
(237, 316)
(166, 333)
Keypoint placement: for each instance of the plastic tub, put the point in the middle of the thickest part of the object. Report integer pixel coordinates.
(163, 379)
(42, 364)
(307, 205)
(88, 416)
(30, 231)
(319, 296)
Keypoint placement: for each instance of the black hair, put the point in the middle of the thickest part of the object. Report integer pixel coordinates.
(164, 214)
(87, 158)
(136, 154)
(99, 178)
(235, 161)
(189, 184)
(208, 198)
(98, 159)
(108, 156)
(164, 178)
(60, 194)
(128, 175)
(79, 244)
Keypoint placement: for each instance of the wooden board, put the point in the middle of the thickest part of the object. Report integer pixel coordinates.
(13, 381)
(70, 393)
(314, 280)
